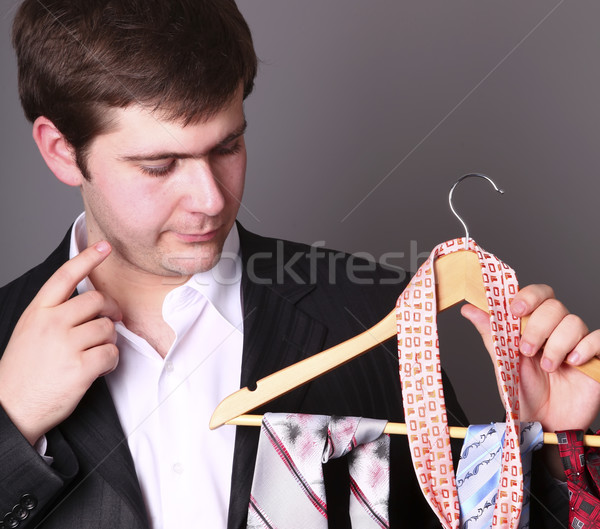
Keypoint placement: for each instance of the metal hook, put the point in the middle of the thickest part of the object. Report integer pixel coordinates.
(452, 207)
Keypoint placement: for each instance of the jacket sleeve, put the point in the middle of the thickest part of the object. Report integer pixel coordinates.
(549, 498)
(27, 483)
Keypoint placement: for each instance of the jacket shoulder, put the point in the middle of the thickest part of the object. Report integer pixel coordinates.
(284, 264)
(17, 295)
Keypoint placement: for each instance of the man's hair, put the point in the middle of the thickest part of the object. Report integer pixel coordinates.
(77, 58)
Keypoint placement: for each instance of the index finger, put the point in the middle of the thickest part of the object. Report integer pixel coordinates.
(530, 298)
(64, 281)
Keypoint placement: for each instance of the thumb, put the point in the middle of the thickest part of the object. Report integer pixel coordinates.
(481, 321)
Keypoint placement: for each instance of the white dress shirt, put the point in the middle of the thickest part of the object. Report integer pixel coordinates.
(164, 405)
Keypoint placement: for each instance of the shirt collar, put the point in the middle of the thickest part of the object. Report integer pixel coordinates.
(221, 285)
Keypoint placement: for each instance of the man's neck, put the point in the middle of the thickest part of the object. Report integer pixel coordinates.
(134, 290)
(140, 297)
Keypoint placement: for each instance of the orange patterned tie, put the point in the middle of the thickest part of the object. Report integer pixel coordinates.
(423, 395)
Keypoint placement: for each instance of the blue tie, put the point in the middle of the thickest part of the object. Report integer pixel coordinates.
(478, 473)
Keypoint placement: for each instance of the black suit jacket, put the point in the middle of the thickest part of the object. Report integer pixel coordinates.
(296, 302)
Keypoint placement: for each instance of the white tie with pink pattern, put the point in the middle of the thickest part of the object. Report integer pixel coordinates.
(288, 490)
(423, 395)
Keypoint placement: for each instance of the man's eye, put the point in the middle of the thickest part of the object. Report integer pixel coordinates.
(158, 170)
(225, 150)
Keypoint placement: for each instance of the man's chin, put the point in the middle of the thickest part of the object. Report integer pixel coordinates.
(188, 266)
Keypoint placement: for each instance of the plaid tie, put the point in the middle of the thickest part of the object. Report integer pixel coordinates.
(478, 472)
(288, 490)
(582, 469)
(423, 394)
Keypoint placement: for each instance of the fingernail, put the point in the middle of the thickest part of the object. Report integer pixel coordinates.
(518, 308)
(527, 349)
(573, 357)
(103, 247)
(546, 364)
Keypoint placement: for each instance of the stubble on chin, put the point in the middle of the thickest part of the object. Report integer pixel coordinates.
(194, 260)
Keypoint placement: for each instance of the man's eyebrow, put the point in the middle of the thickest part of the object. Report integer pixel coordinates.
(240, 131)
(184, 155)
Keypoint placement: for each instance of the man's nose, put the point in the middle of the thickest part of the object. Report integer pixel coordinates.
(203, 189)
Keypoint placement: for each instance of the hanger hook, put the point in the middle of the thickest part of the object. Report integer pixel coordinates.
(477, 175)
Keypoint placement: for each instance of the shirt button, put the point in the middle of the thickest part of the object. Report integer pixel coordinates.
(178, 468)
(169, 367)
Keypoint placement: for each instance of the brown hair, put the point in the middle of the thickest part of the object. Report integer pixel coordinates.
(77, 58)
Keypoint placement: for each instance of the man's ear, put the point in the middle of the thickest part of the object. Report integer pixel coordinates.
(57, 152)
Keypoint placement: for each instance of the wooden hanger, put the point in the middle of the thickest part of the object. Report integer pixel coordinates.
(398, 428)
(458, 279)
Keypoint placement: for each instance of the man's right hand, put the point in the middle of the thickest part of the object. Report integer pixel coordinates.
(59, 346)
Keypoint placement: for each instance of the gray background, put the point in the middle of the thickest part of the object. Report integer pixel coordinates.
(364, 114)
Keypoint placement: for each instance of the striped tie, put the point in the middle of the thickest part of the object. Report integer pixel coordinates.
(478, 473)
(288, 490)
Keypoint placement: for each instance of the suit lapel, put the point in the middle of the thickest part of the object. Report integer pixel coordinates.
(94, 432)
(276, 334)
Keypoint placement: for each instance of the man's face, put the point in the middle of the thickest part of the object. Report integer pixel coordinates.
(165, 196)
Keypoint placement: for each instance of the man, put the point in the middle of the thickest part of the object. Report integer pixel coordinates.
(106, 395)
